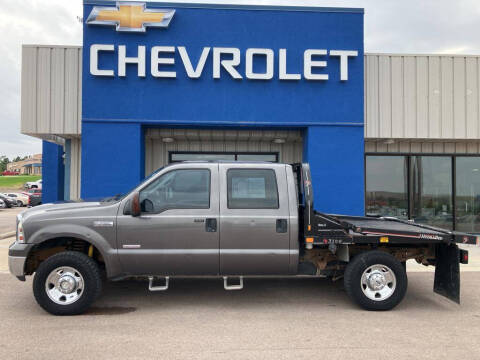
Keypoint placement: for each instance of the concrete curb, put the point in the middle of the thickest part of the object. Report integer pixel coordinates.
(7, 235)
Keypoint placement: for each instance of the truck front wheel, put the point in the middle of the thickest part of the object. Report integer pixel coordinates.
(375, 280)
(67, 283)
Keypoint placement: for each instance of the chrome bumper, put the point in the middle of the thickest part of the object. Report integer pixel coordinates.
(16, 265)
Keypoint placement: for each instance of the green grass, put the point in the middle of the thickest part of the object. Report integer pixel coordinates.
(16, 181)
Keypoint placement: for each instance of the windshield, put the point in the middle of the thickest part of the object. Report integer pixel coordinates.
(119, 197)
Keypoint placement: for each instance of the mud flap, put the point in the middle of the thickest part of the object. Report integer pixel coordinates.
(447, 272)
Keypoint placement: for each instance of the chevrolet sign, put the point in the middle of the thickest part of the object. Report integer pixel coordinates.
(162, 62)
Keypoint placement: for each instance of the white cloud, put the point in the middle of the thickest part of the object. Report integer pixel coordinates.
(408, 26)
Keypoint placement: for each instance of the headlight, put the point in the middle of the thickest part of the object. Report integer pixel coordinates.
(20, 234)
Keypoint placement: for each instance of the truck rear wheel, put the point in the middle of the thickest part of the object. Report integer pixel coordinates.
(67, 283)
(375, 280)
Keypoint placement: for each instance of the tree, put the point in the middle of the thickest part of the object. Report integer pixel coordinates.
(3, 163)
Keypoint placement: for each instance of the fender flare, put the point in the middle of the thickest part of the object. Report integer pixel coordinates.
(84, 233)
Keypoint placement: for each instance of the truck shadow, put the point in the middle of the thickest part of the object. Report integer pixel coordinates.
(257, 294)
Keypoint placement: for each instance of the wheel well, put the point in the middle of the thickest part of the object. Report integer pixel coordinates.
(44, 250)
(323, 259)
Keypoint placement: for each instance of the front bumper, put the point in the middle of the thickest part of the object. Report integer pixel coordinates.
(17, 256)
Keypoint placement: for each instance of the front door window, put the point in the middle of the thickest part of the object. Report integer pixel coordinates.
(177, 189)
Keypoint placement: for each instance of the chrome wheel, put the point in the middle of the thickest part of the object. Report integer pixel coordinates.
(378, 282)
(64, 285)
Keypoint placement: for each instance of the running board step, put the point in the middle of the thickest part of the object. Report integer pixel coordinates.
(226, 286)
(157, 288)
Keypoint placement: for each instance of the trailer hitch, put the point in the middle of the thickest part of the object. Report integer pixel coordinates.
(447, 271)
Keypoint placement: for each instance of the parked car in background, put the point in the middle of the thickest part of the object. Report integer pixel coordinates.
(34, 184)
(32, 191)
(20, 198)
(35, 199)
(9, 173)
(2, 204)
(9, 202)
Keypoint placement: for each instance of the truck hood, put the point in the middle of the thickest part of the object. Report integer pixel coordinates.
(56, 207)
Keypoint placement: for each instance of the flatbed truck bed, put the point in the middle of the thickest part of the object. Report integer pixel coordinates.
(404, 239)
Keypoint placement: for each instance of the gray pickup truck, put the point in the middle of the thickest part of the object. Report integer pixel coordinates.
(229, 220)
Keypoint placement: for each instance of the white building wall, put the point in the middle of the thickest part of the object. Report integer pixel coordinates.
(434, 97)
(51, 96)
(75, 167)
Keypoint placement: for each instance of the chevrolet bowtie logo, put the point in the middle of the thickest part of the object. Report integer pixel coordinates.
(130, 16)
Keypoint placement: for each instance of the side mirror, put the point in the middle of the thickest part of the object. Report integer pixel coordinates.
(135, 207)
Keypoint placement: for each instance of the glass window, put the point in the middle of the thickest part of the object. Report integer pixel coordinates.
(175, 157)
(432, 190)
(386, 183)
(252, 189)
(467, 194)
(204, 156)
(177, 189)
(257, 157)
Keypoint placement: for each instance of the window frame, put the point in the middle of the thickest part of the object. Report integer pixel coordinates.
(452, 156)
(408, 163)
(181, 208)
(235, 153)
(410, 184)
(252, 208)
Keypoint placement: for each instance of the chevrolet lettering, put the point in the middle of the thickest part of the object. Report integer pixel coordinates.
(162, 61)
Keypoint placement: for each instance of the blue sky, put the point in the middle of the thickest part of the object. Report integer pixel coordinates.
(391, 26)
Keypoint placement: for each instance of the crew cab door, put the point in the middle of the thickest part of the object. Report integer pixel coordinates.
(254, 219)
(177, 231)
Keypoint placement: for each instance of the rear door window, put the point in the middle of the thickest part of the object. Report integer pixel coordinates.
(252, 189)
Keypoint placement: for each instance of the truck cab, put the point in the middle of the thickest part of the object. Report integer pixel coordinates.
(211, 218)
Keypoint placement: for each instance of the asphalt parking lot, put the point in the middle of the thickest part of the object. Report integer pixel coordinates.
(7, 219)
(269, 319)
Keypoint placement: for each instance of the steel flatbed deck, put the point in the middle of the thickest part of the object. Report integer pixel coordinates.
(358, 229)
(331, 228)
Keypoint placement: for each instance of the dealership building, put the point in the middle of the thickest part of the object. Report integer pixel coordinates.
(156, 83)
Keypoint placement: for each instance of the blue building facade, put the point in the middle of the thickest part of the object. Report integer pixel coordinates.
(223, 67)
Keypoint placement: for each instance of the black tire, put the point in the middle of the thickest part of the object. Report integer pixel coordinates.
(19, 203)
(353, 276)
(87, 268)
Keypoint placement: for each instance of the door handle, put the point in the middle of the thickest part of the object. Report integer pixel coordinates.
(211, 225)
(282, 226)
